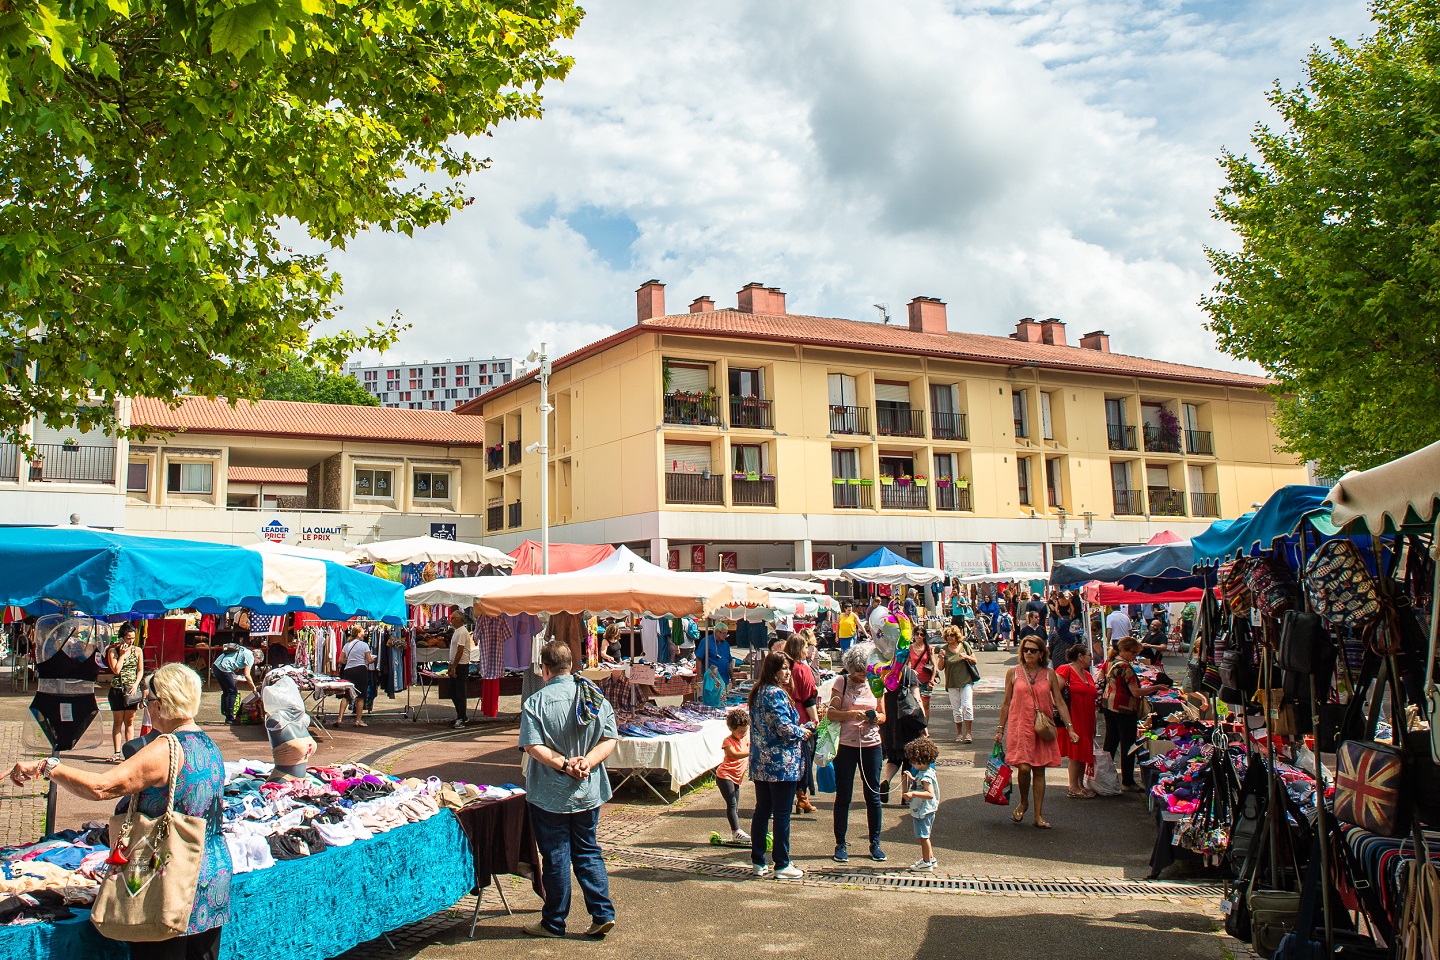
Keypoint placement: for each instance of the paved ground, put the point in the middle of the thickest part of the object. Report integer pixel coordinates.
(678, 896)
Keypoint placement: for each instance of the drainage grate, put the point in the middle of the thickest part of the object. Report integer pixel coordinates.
(954, 762)
(1077, 887)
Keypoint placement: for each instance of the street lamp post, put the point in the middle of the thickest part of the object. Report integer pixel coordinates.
(542, 357)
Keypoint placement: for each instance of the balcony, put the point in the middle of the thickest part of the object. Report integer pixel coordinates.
(495, 518)
(901, 422)
(694, 488)
(753, 493)
(1129, 503)
(1200, 443)
(1158, 441)
(849, 419)
(692, 409)
(495, 457)
(1166, 502)
(514, 451)
(953, 498)
(894, 496)
(55, 462)
(513, 520)
(9, 461)
(1121, 437)
(852, 496)
(1204, 504)
(949, 426)
(751, 413)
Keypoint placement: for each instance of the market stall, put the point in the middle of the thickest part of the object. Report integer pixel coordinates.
(410, 550)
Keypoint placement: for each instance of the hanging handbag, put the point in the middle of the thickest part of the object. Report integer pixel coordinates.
(1233, 587)
(1340, 587)
(1271, 588)
(1305, 646)
(1368, 778)
(148, 892)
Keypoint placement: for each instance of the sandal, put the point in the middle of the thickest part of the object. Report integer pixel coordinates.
(1077, 794)
(116, 758)
(361, 723)
(1042, 824)
(1019, 815)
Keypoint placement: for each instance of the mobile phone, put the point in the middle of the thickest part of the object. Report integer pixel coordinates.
(870, 715)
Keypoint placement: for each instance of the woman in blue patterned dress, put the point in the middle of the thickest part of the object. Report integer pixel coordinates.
(776, 738)
(173, 698)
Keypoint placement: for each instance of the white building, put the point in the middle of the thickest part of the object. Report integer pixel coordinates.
(433, 384)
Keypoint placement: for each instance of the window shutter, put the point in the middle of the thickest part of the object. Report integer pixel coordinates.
(687, 457)
(892, 392)
(689, 379)
(842, 390)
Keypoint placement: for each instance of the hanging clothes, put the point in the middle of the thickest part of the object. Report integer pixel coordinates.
(491, 636)
(570, 628)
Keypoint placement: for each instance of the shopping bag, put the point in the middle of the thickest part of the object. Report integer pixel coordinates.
(827, 743)
(998, 792)
(825, 778)
(1105, 781)
(993, 765)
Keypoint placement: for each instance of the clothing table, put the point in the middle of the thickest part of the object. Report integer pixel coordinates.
(684, 756)
(308, 909)
(502, 841)
(322, 691)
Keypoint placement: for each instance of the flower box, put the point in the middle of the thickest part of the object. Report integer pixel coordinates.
(904, 481)
(963, 483)
(752, 476)
(767, 476)
(856, 481)
(840, 481)
(887, 481)
(943, 482)
(737, 476)
(865, 483)
(922, 481)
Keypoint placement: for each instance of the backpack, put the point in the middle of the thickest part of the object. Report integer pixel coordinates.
(1234, 588)
(1341, 588)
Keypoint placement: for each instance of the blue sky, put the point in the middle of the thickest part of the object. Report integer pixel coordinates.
(1021, 158)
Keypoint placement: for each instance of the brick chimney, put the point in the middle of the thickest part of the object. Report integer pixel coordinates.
(758, 298)
(927, 315)
(649, 301)
(1052, 331)
(1027, 330)
(1096, 340)
(702, 305)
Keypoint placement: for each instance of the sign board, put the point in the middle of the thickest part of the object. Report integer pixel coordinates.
(822, 560)
(443, 531)
(965, 559)
(672, 560)
(1019, 556)
(275, 531)
(322, 534)
(729, 561)
(697, 557)
(642, 674)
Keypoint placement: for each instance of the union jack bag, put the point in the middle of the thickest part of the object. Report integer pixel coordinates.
(1367, 787)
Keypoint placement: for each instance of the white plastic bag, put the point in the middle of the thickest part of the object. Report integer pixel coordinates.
(1106, 781)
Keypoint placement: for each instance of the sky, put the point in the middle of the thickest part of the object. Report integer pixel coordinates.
(1042, 158)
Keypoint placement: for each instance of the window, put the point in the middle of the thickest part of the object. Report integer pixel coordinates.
(942, 398)
(844, 464)
(842, 390)
(1054, 486)
(688, 377)
(1191, 414)
(137, 479)
(437, 371)
(392, 374)
(1120, 476)
(683, 457)
(416, 383)
(462, 370)
(392, 384)
(745, 383)
(432, 486)
(482, 368)
(190, 477)
(462, 381)
(1019, 404)
(1022, 467)
(474, 391)
(417, 372)
(747, 458)
(1047, 423)
(371, 375)
(374, 484)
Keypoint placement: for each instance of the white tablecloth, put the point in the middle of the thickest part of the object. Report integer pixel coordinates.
(684, 755)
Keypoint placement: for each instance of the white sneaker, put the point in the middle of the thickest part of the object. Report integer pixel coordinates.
(789, 872)
(760, 870)
(740, 836)
(923, 866)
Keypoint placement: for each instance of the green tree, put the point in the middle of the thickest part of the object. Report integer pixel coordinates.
(151, 149)
(1334, 287)
(317, 386)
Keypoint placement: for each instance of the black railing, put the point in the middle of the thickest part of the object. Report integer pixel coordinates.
(953, 498)
(751, 412)
(9, 461)
(900, 422)
(1200, 443)
(60, 463)
(1166, 502)
(849, 419)
(895, 496)
(514, 451)
(1160, 441)
(1205, 504)
(753, 493)
(949, 426)
(514, 518)
(692, 409)
(495, 459)
(494, 518)
(1121, 437)
(852, 496)
(1129, 503)
(695, 488)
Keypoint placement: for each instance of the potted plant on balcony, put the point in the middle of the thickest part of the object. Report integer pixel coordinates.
(767, 476)
(738, 475)
(962, 483)
(1169, 431)
(752, 475)
(904, 479)
(864, 483)
(886, 480)
(942, 481)
(922, 481)
(839, 481)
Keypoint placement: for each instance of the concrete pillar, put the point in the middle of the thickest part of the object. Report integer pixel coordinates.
(930, 553)
(803, 550)
(660, 551)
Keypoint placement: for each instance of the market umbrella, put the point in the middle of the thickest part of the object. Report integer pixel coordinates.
(1007, 576)
(616, 594)
(463, 591)
(1142, 567)
(104, 574)
(1254, 533)
(564, 557)
(294, 550)
(1403, 492)
(429, 550)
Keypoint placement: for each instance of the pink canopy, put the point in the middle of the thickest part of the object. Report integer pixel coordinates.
(1164, 537)
(564, 557)
(1110, 594)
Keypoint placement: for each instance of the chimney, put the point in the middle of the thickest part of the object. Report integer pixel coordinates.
(758, 298)
(702, 305)
(649, 301)
(1052, 331)
(927, 315)
(1027, 330)
(777, 301)
(1096, 340)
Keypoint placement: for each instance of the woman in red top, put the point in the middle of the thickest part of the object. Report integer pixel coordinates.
(806, 696)
(1078, 680)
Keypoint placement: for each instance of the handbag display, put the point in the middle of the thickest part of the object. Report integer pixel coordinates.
(1305, 646)
(1234, 588)
(1271, 588)
(148, 892)
(1340, 587)
(1273, 914)
(1368, 778)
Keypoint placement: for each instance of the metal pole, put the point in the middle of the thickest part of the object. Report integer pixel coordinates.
(51, 794)
(544, 458)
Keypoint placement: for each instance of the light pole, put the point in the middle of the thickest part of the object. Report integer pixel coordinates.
(542, 357)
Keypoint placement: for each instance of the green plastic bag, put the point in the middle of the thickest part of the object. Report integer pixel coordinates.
(827, 742)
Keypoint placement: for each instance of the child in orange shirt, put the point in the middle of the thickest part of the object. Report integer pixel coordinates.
(731, 772)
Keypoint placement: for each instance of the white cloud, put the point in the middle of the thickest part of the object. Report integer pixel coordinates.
(1048, 158)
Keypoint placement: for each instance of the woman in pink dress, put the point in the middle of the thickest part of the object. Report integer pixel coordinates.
(1031, 689)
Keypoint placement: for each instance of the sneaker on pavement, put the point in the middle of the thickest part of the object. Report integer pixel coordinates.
(599, 928)
(538, 929)
(760, 870)
(841, 855)
(789, 872)
(740, 836)
(923, 866)
(877, 854)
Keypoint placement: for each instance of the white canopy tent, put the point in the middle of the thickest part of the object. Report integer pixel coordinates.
(893, 574)
(1391, 490)
(1010, 576)
(429, 550)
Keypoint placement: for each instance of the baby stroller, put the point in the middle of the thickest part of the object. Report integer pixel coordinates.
(980, 634)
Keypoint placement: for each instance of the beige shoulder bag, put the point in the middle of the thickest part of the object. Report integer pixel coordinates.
(148, 892)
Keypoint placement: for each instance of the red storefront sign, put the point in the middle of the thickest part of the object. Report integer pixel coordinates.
(822, 560)
(729, 561)
(672, 560)
(697, 557)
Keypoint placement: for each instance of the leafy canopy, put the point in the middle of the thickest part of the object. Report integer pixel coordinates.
(1334, 288)
(149, 152)
(317, 386)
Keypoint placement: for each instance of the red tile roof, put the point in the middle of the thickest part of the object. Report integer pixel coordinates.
(267, 475)
(330, 421)
(864, 335)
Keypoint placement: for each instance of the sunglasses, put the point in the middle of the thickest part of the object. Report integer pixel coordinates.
(1031, 650)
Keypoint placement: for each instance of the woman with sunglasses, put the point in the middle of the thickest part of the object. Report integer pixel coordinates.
(1032, 690)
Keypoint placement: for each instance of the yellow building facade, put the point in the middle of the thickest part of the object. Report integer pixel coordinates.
(759, 439)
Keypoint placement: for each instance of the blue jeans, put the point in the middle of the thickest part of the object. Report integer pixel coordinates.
(867, 759)
(229, 692)
(567, 840)
(773, 799)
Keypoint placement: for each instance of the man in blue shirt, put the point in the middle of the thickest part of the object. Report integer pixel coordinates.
(568, 729)
(714, 651)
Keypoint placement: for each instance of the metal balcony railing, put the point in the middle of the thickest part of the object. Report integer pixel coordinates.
(1205, 504)
(9, 461)
(949, 426)
(495, 459)
(692, 409)
(751, 413)
(513, 520)
(1158, 442)
(514, 449)
(752, 493)
(849, 419)
(900, 422)
(910, 497)
(953, 498)
(494, 518)
(1129, 503)
(1166, 501)
(852, 496)
(1121, 437)
(1200, 443)
(694, 488)
(58, 463)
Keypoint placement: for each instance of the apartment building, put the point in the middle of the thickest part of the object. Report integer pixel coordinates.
(323, 475)
(69, 476)
(432, 385)
(752, 438)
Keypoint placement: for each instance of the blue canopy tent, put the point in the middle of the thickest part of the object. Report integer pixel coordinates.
(884, 557)
(104, 574)
(1145, 568)
(1252, 534)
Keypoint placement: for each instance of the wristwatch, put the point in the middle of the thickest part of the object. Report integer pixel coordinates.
(48, 766)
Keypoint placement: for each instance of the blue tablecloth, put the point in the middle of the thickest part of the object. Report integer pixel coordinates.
(307, 909)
